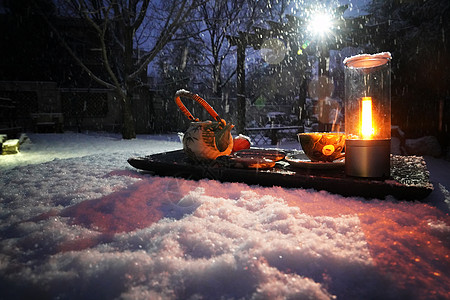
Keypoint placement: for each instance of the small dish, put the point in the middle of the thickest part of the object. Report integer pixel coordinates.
(271, 154)
(251, 159)
(300, 160)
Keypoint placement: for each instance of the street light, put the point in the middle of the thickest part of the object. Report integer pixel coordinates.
(320, 24)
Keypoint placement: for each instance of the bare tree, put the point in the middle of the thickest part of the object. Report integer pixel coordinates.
(124, 28)
(218, 19)
(222, 18)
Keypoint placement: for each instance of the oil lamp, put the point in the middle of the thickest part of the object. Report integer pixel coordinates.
(368, 115)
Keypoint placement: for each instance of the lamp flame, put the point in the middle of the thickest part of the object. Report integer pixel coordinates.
(367, 130)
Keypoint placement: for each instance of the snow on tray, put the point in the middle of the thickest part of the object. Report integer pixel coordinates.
(90, 227)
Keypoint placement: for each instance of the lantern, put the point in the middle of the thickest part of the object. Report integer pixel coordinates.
(368, 115)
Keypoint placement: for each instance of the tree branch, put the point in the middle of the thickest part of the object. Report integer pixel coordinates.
(77, 59)
(101, 31)
(165, 36)
(141, 16)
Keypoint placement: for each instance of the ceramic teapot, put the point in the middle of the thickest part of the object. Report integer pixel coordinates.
(205, 140)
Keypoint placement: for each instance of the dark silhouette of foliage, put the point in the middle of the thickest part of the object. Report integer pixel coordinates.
(417, 35)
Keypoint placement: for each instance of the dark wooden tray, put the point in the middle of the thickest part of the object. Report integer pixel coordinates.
(409, 175)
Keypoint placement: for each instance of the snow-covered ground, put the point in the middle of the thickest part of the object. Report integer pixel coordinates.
(78, 222)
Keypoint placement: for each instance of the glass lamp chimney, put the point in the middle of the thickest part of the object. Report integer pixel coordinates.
(368, 115)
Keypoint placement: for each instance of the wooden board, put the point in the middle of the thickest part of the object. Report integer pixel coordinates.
(409, 175)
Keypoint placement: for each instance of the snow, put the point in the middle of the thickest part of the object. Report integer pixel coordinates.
(385, 55)
(78, 222)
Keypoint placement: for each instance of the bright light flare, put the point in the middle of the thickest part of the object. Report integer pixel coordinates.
(320, 23)
(367, 130)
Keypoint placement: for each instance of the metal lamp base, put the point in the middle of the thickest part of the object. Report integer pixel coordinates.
(368, 158)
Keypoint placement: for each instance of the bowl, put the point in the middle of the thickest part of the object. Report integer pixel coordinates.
(322, 146)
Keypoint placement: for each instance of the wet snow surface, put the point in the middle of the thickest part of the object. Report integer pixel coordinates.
(77, 222)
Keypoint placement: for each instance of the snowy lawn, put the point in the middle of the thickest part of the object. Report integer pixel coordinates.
(77, 222)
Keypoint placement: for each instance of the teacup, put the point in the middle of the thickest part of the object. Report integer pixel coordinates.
(322, 146)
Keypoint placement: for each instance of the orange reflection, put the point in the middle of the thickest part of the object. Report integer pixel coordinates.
(399, 240)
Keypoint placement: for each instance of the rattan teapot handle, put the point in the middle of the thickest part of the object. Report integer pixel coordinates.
(200, 100)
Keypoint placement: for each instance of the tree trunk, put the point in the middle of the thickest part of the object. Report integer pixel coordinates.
(128, 124)
(241, 108)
